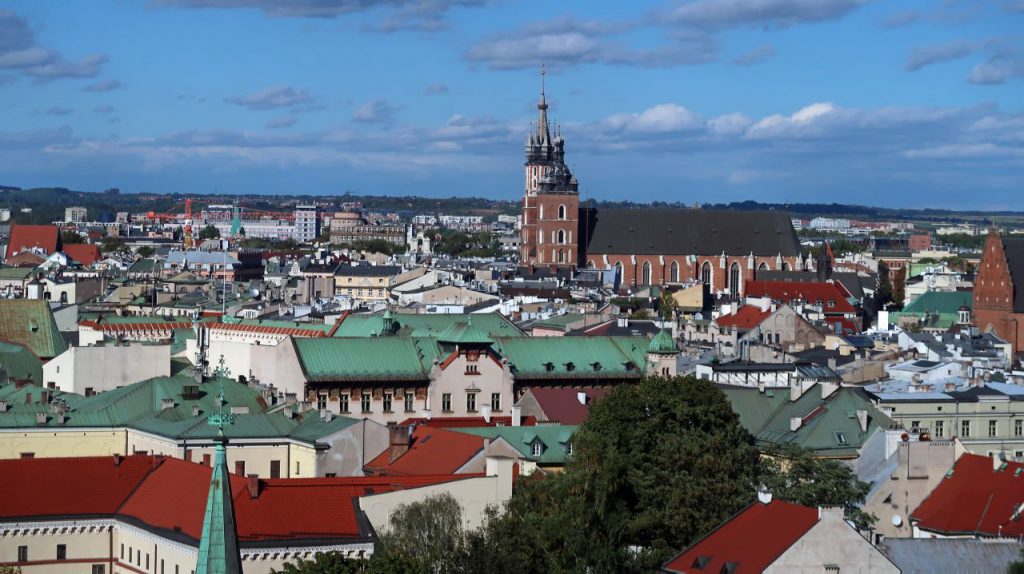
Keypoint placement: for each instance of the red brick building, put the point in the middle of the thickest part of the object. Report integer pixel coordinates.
(999, 289)
(723, 249)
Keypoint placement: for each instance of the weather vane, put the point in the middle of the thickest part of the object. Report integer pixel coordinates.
(220, 418)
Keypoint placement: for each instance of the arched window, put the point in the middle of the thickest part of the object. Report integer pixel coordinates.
(647, 273)
(561, 237)
(561, 256)
(618, 269)
(590, 264)
(762, 267)
(673, 272)
(705, 273)
(561, 212)
(540, 208)
(734, 279)
(785, 266)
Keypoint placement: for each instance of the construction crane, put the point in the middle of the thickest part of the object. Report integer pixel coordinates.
(156, 217)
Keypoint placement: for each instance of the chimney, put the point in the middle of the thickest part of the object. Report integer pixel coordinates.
(486, 412)
(290, 398)
(253, 482)
(399, 440)
(287, 411)
(582, 398)
(117, 460)
(517, 416)
(832, 363)
(60, 418)
(3, 406)
(195, 410)
(794, 423)
(827, 389)
(796, 390)
(997, 461)
(503, 468)
(166, 403)
(764, 497)
(40, 418)
(862, 418)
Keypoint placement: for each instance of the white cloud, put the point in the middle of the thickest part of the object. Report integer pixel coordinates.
(965, 151)
(273, 97)
(729, 124)
(799, 123)
(661, 118)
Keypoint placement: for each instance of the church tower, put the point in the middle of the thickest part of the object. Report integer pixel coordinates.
(551, 201)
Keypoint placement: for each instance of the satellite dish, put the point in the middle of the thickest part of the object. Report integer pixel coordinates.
(896, 520)
(255, 292)
(698, 316)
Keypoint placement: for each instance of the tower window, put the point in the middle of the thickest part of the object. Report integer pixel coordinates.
(561, 212)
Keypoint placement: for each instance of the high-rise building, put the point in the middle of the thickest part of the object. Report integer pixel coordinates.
(307, 223)
(75, 214)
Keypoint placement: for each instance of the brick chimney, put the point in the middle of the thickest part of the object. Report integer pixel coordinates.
(253, 482)
(399, 439)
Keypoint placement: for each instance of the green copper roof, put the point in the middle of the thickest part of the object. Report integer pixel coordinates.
(575, 357)
(940, 302)
(829, 427)
(379, 358)
(218, 547)
(19, 362)
(30, 322)
(554, 440)
(663, 344)
(15, 272)
(464, 334)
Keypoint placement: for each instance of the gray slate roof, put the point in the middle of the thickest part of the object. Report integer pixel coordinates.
(691, 232)
(951, 555)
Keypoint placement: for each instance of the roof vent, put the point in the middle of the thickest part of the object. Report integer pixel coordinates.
(166, 403)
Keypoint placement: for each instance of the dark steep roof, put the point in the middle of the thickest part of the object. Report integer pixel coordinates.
(1014, 248)
(690, 232)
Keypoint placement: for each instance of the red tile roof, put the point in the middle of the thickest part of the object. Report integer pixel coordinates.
(433, 451)
(54, 487)
(746, 317)
(139, 488)
(155, 326)
(563, 405)
(975, 499)
(849, 326)
(810, 292)
(23, 237)
(752, 539)
(466, 422)
(83, 253)
(268, 329)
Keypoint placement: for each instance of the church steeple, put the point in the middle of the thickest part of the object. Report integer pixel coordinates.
(218, 547)
(543, 133)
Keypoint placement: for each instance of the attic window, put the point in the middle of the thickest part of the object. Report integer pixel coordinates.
(840, 437)
(701, 561)
(570, 366)
(537, 448)
(190, 392)
(729, 567)
(630, 365)
(549, 366)
(597, 366)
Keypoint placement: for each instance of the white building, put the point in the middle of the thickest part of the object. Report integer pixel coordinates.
(89, 370)
(307, 223)
(75, 214)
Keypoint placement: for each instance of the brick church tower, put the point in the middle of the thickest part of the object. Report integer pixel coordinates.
(551, 214)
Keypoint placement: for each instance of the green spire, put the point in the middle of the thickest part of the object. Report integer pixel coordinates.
(236, 221)
(662, 344)
(218, 548)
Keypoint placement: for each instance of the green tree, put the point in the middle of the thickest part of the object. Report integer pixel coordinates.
(325, 563)
(209, 232)
(428, 531)
(1017, 567)
(899, 287)
(145, 251)
(793, 473)
(112, 245)
(883, 296)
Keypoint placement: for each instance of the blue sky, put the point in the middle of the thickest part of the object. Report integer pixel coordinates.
(885, 103)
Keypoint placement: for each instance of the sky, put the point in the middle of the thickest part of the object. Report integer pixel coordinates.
(890, 103)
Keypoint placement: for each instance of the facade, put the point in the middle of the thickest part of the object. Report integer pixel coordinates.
(307, 223)
(365, 282)
(999, 289)
(76, 214)
(88, 370)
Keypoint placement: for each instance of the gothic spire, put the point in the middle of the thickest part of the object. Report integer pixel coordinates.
(543, 133)
(218, 547)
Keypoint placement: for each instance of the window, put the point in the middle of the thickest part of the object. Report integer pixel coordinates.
(387, 402)
(915, 426)
(298, 468)
(23, 554)
(705, 273)
(321, 401)
(275, 469)
(62, 552)
(992, 428)
(122, 551)
(101, 569)
(495, 401)
(673, 273)
(364, 402)
(343, 402)
(1018, 428)
(472, 370)
(965, 429)
(147, 561)
(647, 273)
(734, 279)
(561, 212)
(471, 402)
(568, 449)
(409, 401)
(537, 448)
(940, 429)
(446, 402)
(240, 467)
(840, 437)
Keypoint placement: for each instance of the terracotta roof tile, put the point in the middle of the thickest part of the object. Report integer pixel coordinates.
(812, 293)
(83, 253)
(563, 404)
(23, 237)
(975, 498)
(746, 317)
(433, 451)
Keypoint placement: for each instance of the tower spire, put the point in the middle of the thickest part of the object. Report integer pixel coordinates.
(543, 133)
(218, 547)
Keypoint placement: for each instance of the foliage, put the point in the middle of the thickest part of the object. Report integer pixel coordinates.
(263, 243)
(209, 232)
(10, 570)
(112, 245)
(324, 563)
(69, 237)
(429, 530)
(463, 244)
(1017, 567)
(963, 241)
(145, 251)
(376, 246)
(899, 287)
(883, 295)
(794, 474)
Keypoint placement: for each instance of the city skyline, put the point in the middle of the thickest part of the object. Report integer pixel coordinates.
(771, 100)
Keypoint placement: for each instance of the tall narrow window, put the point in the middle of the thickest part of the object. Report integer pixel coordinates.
(446, 402)
(409, 397)
(673, 273)
(561, 212)
(705, 273)
(343, 402)
(561, 237)
(561, 256)
(734, 279)
(364, 402)
(647, 273)
(471, 402)
(387, 402)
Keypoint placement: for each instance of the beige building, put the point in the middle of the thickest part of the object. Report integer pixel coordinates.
(365, 282)
(89, 370)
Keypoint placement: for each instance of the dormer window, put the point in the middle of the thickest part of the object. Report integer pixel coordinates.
(630, 366)
(570, 366)
(549, 366)
(537, 448)
(597, 366)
